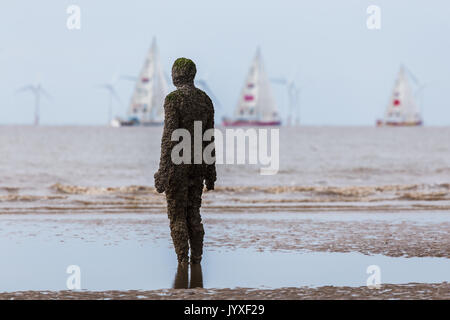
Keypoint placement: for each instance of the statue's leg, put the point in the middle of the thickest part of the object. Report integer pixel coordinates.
(194, 220)
(176, 208)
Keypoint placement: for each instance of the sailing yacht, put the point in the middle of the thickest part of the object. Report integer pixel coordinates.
(256, 106)
(402, 109)
(147, 102)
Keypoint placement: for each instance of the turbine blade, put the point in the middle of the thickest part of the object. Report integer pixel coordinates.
(168, 79)
(26, 88)
(115, 95)
(279, 80)
(45, 93)
(294, 75)
(413, 77)
(202, 83)
(114, 78)
(129, 78)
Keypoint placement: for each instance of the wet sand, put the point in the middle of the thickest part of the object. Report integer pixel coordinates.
(390, 233)
(120, 242)
(388, 291)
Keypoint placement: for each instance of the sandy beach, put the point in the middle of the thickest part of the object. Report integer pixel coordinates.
(396, 292)
(283, 255)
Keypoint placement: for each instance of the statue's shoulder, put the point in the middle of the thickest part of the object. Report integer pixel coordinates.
(204, 96)
(172, 98)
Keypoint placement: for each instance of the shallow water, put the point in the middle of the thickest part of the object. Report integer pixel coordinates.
(35, 265)
(111, 169)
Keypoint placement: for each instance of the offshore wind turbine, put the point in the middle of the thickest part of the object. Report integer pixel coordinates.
(202, 83)
(419, 87)
(37, 90)
(293, 93)
(112, 95)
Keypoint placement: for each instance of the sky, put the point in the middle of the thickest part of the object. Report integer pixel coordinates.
(346, 71)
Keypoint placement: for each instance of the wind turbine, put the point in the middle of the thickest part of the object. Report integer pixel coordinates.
(419, 87)
(203, 84)
(110, 87)
(37, 90)
(293, 93)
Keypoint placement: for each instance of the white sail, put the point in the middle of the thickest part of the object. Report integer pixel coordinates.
(150, 90)
(402, 107)
(256, 102)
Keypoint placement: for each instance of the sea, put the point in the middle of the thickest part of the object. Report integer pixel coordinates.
(76, 169)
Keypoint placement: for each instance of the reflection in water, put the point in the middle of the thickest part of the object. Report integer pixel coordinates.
(103, 266)
(196, 276)
(181, 277)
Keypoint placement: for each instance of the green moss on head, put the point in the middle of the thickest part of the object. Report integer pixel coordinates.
(183, 71)
(183, 63)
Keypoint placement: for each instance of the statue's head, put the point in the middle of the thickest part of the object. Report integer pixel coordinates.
(183, 72)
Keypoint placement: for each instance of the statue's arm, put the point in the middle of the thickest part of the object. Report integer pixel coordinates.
(171, 123)
(211, 175)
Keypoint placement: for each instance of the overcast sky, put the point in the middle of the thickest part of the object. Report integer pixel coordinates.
(346, 70)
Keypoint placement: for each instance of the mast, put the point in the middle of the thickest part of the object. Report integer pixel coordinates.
(402, 107)
(256, 102)
(147, 101)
